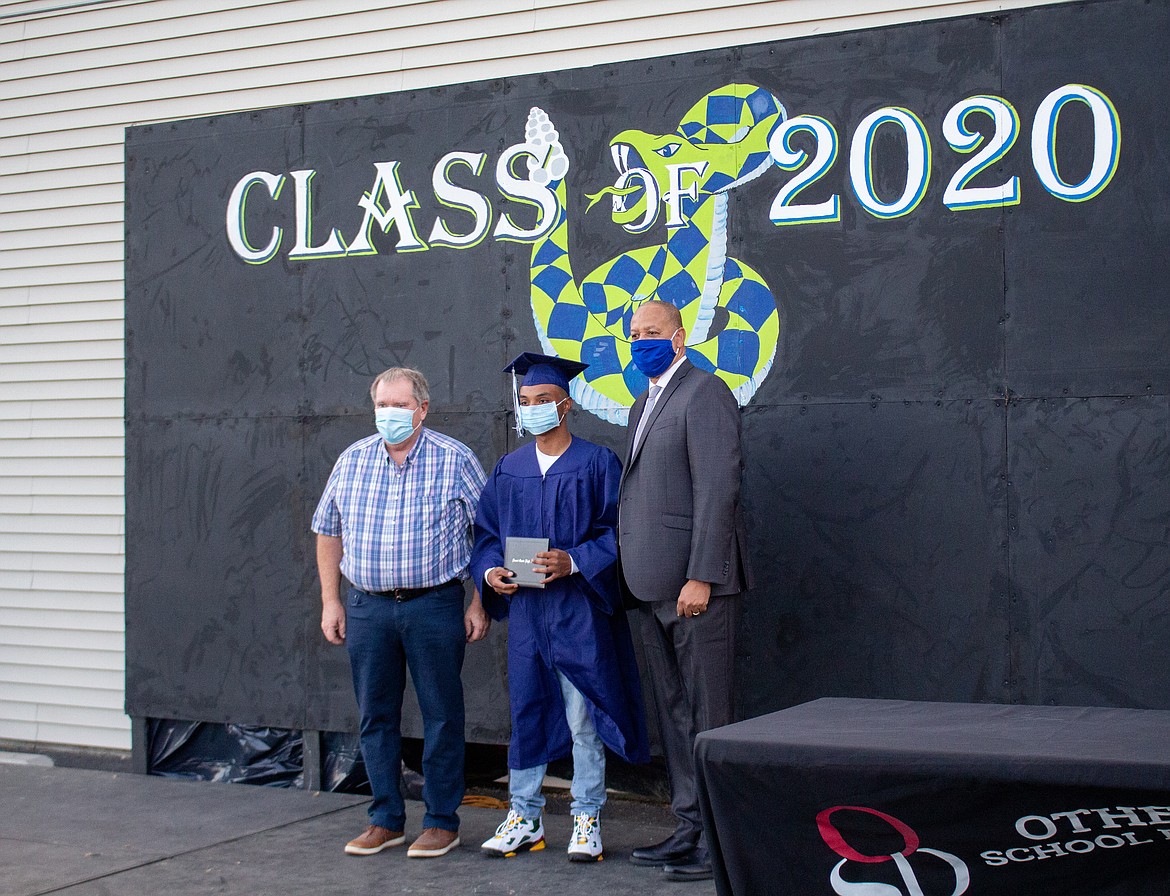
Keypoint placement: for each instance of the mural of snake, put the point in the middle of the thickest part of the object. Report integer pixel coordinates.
(728, 310)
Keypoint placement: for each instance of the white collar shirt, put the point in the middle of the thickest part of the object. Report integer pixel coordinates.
(670, 371)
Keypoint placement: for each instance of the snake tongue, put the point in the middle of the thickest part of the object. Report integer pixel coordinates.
(594, 198)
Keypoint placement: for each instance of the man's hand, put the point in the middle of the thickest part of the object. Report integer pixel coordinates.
(333, 622)
(476, 621)
(329, 553)
(495, 578)
(554, 563)
(693, 598)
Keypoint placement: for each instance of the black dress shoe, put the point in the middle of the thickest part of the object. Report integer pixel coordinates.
(674, 848)
(696, 865)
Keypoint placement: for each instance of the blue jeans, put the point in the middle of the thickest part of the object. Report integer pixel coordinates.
(588, 786)
(384, 638)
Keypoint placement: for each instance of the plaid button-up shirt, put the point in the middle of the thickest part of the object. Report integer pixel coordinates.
(402, 527)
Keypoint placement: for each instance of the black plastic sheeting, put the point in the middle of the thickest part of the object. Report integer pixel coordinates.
(271, 757)
(238, 754)
(342, 767)
(344, 771)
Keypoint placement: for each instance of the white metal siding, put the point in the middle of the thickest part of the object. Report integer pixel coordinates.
(73, 75)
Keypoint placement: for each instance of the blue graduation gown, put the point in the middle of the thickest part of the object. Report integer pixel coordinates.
(576, 624)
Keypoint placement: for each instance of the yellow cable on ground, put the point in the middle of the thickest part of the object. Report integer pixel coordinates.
(483, 802)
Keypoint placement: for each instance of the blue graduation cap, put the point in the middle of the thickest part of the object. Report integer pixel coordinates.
(538, 370)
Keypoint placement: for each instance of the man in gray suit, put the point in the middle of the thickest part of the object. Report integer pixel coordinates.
(682, 544)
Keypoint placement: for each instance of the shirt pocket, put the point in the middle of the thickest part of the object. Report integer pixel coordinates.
(434, 505)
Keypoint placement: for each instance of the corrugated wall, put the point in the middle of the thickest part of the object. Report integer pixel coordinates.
(72, 77)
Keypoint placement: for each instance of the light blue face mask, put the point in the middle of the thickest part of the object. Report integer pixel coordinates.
(395, 425)
(540, 418)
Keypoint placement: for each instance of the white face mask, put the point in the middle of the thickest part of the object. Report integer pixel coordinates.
(395, 425)
(540, 418)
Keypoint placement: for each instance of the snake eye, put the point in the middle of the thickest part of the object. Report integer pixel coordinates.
(668, 150)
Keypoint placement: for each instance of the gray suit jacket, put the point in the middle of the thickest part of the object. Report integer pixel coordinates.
(679, 508)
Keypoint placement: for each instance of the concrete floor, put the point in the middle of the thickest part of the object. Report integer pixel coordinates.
(84, 833)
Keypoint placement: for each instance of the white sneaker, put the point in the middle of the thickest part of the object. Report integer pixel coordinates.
(516, 834)
(585, 845)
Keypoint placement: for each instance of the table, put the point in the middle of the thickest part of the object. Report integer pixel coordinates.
(884, 797)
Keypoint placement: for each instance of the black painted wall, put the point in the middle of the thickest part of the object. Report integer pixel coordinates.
(958, 470)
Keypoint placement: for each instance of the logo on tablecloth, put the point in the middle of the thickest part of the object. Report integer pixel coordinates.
(921, 870)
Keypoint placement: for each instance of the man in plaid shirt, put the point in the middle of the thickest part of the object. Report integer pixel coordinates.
(395, 520)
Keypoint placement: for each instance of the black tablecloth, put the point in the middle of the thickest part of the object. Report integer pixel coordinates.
(838, 796)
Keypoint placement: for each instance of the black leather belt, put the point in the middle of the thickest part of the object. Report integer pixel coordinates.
(404, 594)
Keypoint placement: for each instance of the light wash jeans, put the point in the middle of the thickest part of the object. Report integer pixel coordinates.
(588, 787)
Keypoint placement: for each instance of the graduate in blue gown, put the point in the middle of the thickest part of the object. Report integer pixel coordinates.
(572, 677)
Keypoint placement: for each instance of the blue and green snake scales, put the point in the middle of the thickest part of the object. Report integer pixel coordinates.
(728, 310)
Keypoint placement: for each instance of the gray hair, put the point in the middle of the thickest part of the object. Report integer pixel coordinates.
(418, 382)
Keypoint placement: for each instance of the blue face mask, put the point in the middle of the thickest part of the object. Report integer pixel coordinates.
(540, 418)
(653, 356)
(395, 425)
